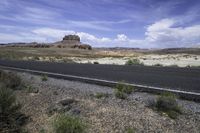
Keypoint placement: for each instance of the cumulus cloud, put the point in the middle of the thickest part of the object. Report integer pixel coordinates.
(164, 33)
(52, 34)
(161, 34)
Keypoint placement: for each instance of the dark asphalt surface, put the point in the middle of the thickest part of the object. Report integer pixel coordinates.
(187, 79)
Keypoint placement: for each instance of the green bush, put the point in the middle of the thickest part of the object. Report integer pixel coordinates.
(31, 89)
(101, 95)
(10, 79)
(167, 103)
(9, 111)
(120, 95)
(36, 58)
(130, 130)
(122, 90)
(95, 62)
(44, 77)
(133, 62)
(158, 65)
(68, 124)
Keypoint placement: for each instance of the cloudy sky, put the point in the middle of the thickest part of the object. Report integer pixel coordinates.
(103, 23)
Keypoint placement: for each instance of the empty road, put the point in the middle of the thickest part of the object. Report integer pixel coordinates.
(186, 79)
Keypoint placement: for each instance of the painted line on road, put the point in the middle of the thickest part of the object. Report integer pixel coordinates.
(189, 95)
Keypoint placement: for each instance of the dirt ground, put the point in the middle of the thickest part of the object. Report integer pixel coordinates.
(104, 115)
(102, 56)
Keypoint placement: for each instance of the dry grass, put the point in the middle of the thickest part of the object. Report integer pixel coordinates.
(19, 53)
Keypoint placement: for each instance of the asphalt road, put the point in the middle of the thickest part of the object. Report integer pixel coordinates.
(187, 79)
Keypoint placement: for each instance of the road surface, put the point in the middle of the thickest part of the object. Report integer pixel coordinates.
(184, 79)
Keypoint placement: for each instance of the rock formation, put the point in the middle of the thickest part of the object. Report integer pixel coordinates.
(72, 41)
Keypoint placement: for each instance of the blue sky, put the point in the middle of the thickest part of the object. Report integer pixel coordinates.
(103, 23)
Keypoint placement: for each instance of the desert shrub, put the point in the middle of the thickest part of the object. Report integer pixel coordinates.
(158, 65)
(101, 95)
(121, 90)
(36, 58)
(120, 95)
(44, 77)
(133, 62)
(167, 103)
(124, 88)
(130, 130)
(31, 89)
(10, 79)
(66, 60)
(10, 116)
(68, 124)
(96, 62)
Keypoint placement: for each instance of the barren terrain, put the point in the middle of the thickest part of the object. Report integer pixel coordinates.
(102, 115)
(104, 56)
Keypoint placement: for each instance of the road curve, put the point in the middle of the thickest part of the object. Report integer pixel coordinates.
(184, 79)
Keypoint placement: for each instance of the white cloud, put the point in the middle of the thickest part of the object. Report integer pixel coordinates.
(121, 37)
(54, 34)
(161, 34)
(164, 34)
(21, 37)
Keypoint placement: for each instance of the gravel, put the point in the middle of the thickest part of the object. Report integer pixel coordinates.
(107, 114)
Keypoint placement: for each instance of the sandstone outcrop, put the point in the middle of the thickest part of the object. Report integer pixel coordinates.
(73, 41)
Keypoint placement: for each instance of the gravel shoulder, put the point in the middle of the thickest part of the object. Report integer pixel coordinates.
(104, 115)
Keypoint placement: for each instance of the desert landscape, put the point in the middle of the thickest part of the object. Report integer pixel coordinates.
(99, 66)
(100, 108)
(73, 51)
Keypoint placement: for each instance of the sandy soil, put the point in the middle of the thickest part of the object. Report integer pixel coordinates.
(181, 60)
(102, 56)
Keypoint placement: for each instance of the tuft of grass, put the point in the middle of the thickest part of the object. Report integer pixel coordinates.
(10, 79)
(130, 130)
(134, 62)
(101, 95)
(44, 77)
(122, 90)
(68, 124)
(120, 95)
(10, 117)
(168, 104)
(31, 89)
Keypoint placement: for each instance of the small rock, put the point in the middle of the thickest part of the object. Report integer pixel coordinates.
(55, 93)
(66, 102)
(75, 111)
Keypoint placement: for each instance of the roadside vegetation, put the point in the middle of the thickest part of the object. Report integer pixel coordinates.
(134, 62)
(10, 79)
(158, 65)
(64, 123)
(44, 77)
(31, 89)
(101, 95)
(130, 130)
(95, 62)
(11, 119)
(122, 90)
(167, 103)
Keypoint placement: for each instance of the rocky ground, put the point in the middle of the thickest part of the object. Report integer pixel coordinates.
(43, 99)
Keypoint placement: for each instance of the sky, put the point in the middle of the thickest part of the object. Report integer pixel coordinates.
(103, 23)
